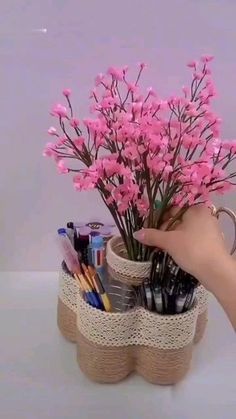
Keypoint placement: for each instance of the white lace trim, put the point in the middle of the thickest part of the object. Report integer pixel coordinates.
(136, 327)
(115, 258)
(202, 298)
(68, 290)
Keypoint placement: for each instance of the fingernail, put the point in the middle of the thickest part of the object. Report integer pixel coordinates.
(139, 235)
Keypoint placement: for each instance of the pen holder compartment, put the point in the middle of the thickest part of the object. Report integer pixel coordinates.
(112, 345)
(67, 304)
(123, 269)
(135, 273)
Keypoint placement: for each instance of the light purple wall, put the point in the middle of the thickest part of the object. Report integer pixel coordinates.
(83, 38)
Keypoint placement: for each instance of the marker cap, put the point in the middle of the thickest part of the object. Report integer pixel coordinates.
(97, 242)
(61, 231)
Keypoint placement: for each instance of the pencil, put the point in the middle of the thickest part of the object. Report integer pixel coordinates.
(87, 275)
(94, 297)
(100, 289)
(76, 276)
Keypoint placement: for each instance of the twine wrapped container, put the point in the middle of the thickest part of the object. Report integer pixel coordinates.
(121, 268)
(112, 345)
(67, 304)
(133, 273)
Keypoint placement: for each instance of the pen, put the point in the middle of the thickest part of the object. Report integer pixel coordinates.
(98, 252)
(88, 275)
(82, 242)
(95, 302)
(100, 289)
(180, 300)
(68, 252)
(86, 298)
(158, 298)
(149, 296)
(70, 232)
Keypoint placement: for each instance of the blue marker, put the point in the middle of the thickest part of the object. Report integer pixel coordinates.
(98, 252)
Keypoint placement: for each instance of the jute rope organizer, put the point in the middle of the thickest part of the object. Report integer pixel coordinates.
(112, 345)
(133, 273)
(67, 307)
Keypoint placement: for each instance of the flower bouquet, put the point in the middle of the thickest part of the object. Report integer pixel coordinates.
(140, 151)
(144, 155)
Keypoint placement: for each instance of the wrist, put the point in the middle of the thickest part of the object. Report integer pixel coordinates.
(216, 272)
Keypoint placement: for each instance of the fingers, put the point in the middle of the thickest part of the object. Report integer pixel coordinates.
(170, 213)
(200, 209)
(174, 226)
(152, 237)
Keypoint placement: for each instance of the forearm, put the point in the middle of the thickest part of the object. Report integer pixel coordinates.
(221, 281)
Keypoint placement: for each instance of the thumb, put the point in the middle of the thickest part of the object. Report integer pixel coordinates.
(153, 237)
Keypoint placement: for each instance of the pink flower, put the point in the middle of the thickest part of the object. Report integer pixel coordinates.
(132, 87)
(190, 199)
(142, 149)
(59, 111)
(180, 199)
(168, 169)
(155, 165)
(231, 145)
(151, 91)
(86, 181)
(207, 58)
(192, 64)
(135, 133)
(197, 76)
(142, 65)
(49, 150)
(109, 187)
(122, 207)
(62, 169)
(74, 122)
(62, 140)
(192, 112)
(111, 167)
(108, 102)
(211, 89)
(131, 152)
(126, 131)
(52, 131)
(163, 105)
(66, 92)
(110, 200)
(99, 79)
(208, 71)
(137, 106)
(142, 206)
(79, 143)
(168, 157)
(222, 187)
(116, 73)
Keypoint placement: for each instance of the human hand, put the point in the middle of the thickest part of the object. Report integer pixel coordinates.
(196, 244)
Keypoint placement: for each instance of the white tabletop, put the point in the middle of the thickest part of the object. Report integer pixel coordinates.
(39, 376)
